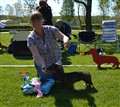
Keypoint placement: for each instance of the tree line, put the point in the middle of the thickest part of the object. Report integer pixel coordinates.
(109, 9)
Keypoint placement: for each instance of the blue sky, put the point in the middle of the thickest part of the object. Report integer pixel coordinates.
(56, 7)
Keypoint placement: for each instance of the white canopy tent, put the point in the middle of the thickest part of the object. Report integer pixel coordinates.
(21, 36)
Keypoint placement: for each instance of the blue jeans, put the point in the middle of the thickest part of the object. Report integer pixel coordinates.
(42, 74)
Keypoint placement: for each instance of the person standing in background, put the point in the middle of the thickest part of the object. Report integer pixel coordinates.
(48, 6)
(37, 8)
(46, 12)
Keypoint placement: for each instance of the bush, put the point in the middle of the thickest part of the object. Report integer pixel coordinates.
(18, 27)
(29, 27)
(83, 27)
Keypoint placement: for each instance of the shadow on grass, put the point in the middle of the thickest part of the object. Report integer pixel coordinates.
(2, 51)
(63, 97)
(65, 58)
(23, 57)
(109, 68)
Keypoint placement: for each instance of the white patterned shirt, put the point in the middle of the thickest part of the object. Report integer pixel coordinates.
(49, 48)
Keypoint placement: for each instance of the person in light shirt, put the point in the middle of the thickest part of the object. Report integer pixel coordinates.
(43, 45)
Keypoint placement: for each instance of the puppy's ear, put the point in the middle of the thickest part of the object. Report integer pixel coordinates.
(56, 66)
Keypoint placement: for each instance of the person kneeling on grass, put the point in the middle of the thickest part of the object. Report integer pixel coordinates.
(43, 45)
(47, 54)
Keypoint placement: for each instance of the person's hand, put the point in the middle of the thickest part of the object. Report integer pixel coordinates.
(44, 69)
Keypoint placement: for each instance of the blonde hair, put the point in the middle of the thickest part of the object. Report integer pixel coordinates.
(59, 22)
(35, 15)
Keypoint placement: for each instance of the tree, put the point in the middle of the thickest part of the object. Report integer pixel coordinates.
(30, 5)
(117, 4)
(104, 6)
(113, 5)
(9, 10)
(88, 7)
(117, 10)
(18, 8)
(82, 8)
(1, 10)
(67, 10)
(80, 22)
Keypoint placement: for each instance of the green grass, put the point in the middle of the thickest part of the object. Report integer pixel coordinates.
(106, 81)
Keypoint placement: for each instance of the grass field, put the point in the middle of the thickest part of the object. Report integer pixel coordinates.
(106, 82)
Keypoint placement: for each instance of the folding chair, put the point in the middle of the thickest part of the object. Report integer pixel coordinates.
(109, 34)
(87, 38)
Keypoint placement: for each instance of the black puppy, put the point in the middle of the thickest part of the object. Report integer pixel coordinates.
(68, 79)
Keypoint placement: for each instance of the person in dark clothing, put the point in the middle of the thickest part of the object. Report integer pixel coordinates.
(64, 27)
(48, 6)
(37, 8)
(46, 12)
